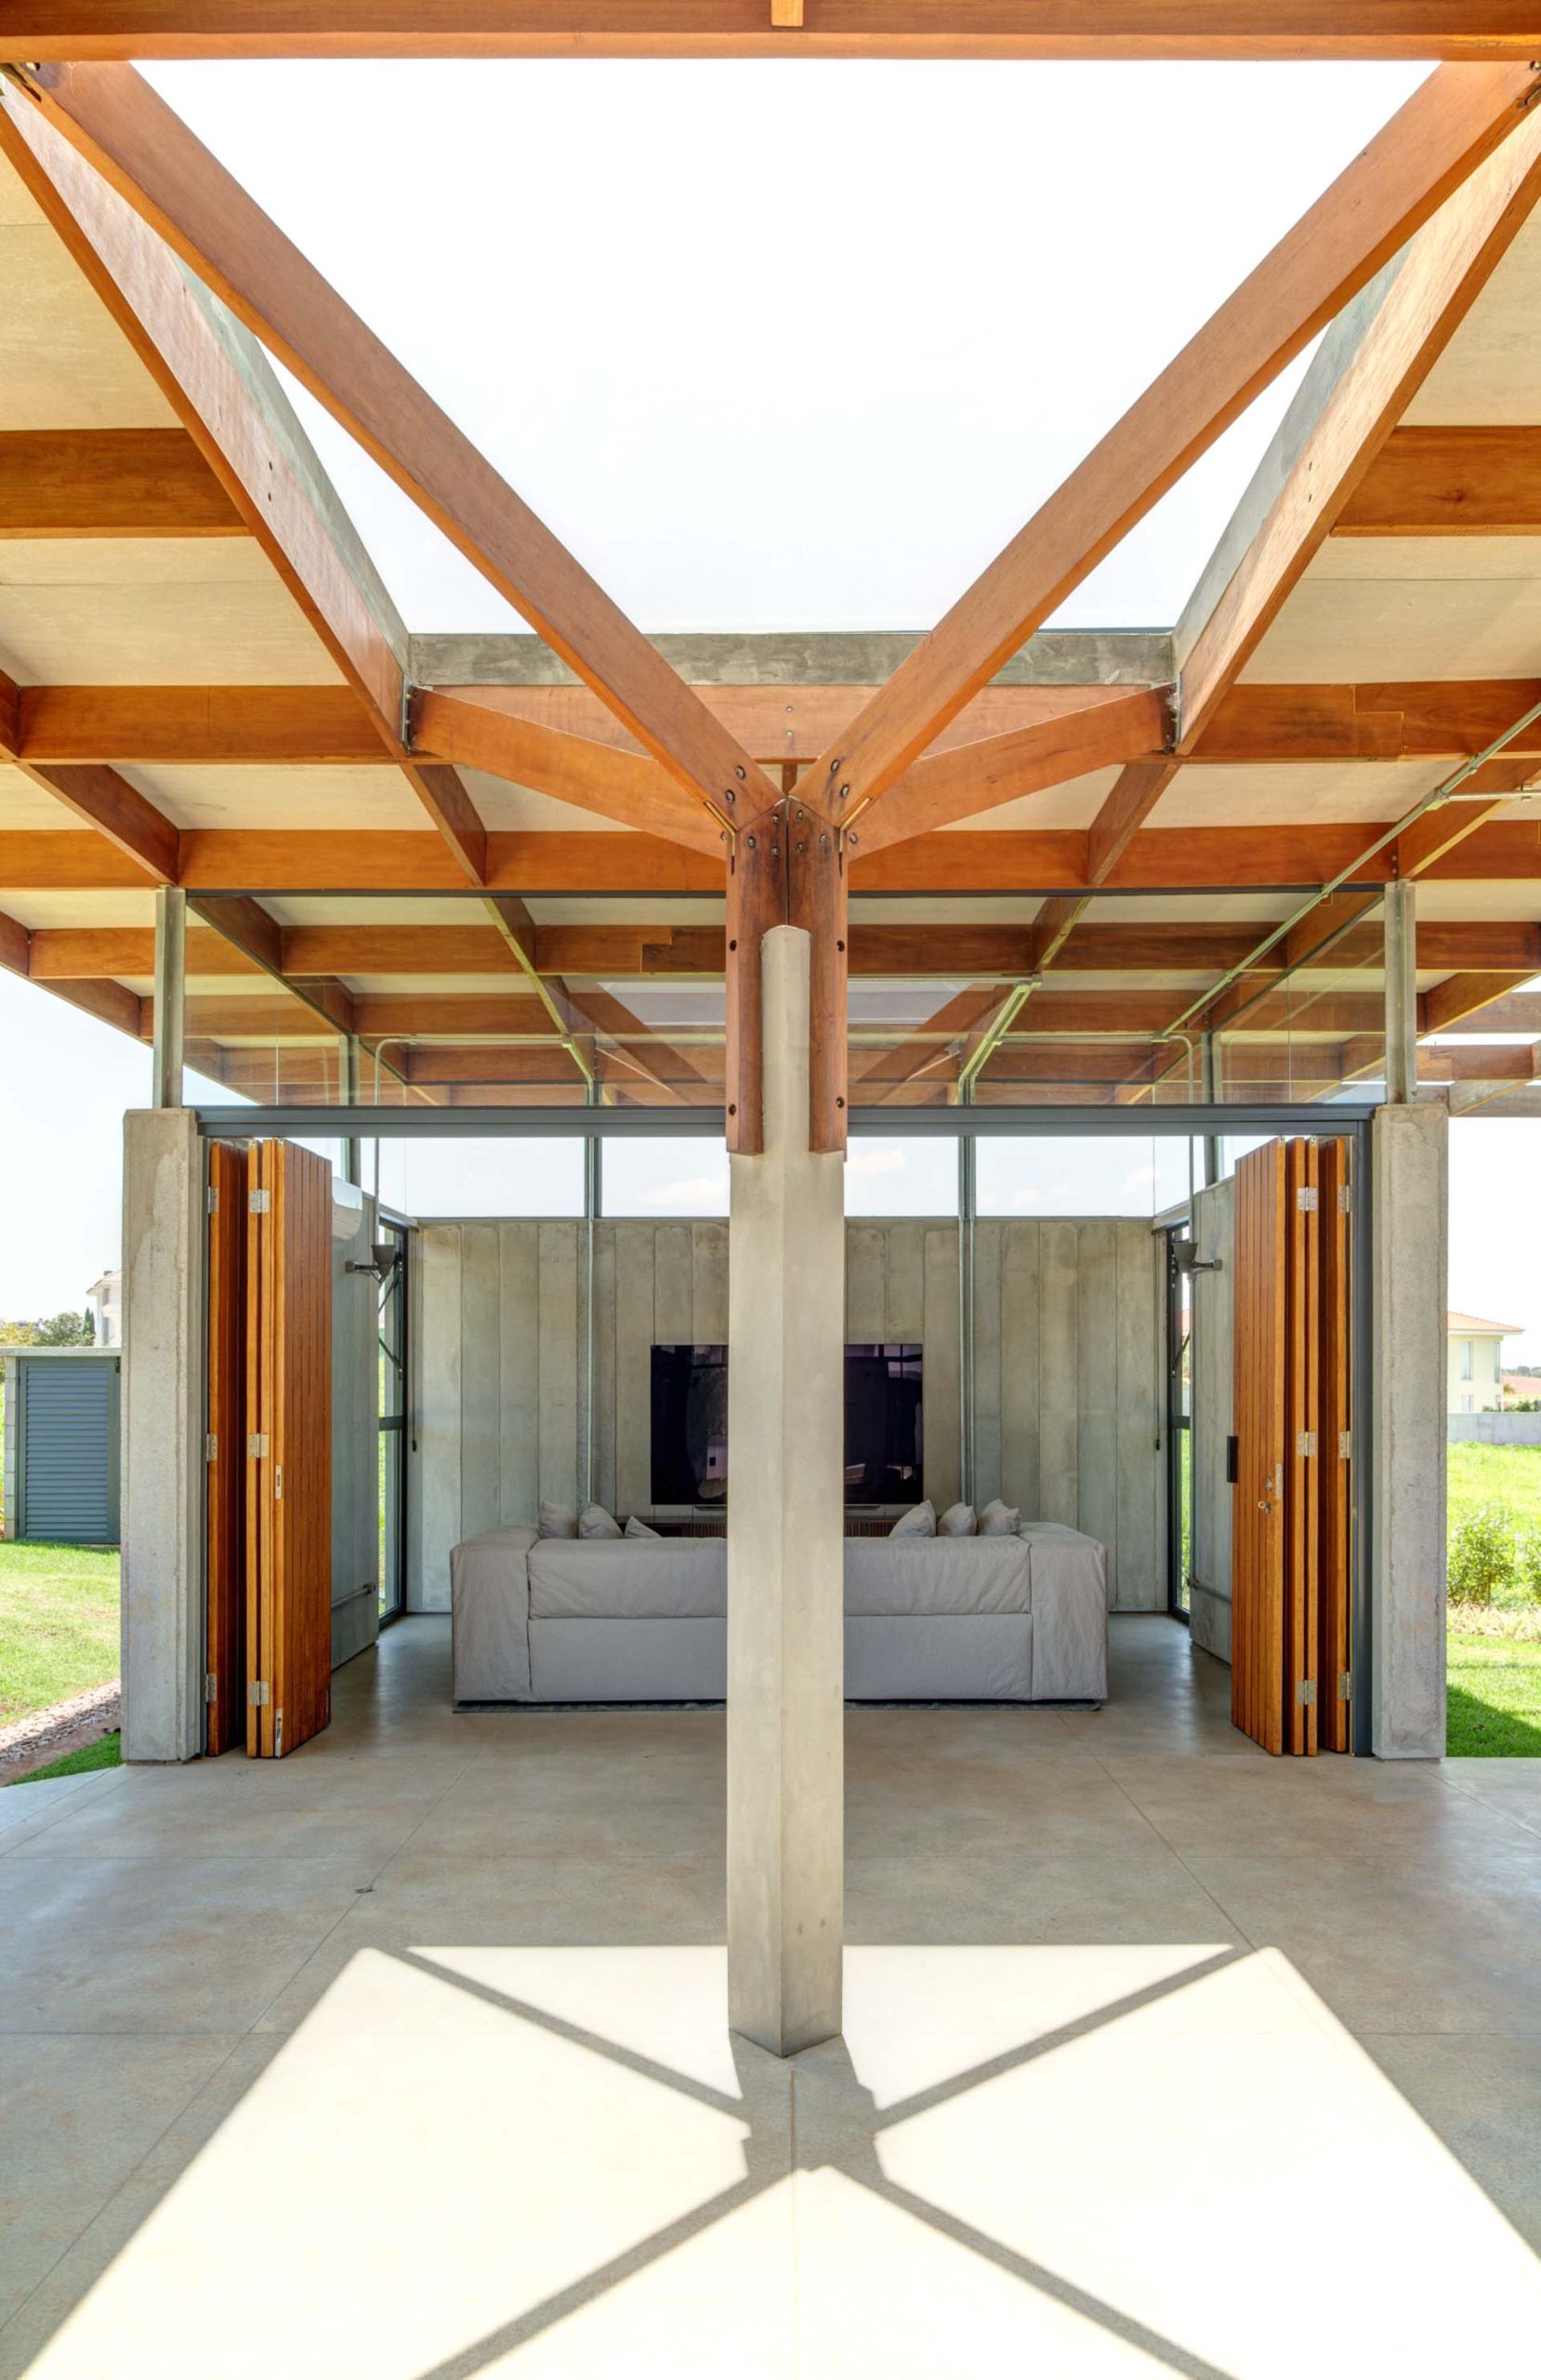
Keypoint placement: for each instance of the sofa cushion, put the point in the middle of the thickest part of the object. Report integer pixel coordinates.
(956, 1521)
(1000, 1520)
(558, 1520)
(919, 1521)
(634, 1527)
(595, 1522)
(897, 1576)
(662, 1578)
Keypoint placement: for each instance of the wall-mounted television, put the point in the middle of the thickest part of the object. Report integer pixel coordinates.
(884, 1458)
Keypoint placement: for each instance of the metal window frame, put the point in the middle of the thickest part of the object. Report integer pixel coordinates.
(1189, 1122)
(398, 1425)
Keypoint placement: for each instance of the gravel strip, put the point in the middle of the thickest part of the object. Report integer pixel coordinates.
(47, 1734)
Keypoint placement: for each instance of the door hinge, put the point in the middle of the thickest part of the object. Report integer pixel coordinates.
(1345, 1199)
(258, 1692)
(1346, 1445)
(1345, 1686)
(211, 1446)
(260, 1202)
(213, 1198)
(1305, 1690)
(1305, 1442)
(278, 1482)
(257, 1444)
(1306, 1201)
(211, 1687)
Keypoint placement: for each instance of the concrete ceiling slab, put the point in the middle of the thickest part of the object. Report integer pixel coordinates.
(1338, 629)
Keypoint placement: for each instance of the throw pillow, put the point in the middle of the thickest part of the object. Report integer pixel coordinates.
(1000, 1520)
(919, 1521)
(956, 1521)
(634, 1527)
(594, 1521)
(557, 1520)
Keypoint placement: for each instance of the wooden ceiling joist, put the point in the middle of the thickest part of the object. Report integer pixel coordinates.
(113, 117)
(898, 29)
(110, 484)
(1445, 269)
(305, 952)
(511, 733)
(1441, 135)
(118, 812)
(1450, 481)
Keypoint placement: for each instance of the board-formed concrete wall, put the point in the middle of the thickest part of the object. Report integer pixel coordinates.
(1067, 1386)
(1213, 1364)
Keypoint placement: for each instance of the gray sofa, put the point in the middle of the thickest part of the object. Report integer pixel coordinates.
(1021, 1618)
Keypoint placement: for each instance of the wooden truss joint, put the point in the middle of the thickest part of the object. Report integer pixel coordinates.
(787, 867)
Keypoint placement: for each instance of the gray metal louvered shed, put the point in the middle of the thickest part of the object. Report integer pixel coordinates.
(61, 1444)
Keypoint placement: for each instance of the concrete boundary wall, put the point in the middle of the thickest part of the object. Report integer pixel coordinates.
(1494, 1428)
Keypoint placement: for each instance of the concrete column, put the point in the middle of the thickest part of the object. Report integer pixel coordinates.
(163, 1434)
(165, 1089)
(786, 1520)
(1407, 1574)
(1402, 992)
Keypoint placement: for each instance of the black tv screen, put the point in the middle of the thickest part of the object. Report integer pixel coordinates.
(883, 1446)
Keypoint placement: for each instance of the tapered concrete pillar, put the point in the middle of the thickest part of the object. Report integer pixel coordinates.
(161, 1414)
(785, 1507)
(1407, 1572)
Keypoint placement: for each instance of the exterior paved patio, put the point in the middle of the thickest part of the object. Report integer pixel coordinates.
(408, 2057)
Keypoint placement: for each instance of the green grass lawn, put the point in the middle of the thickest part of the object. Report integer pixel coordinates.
(59, 1623)
(1481, 1477)
(106, 1752)
(1494, 1698)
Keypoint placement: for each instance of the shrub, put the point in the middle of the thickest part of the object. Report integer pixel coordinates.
(1530, 1566)
(1483, 1555)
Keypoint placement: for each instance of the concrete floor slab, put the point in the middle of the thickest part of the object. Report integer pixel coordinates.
(418, 2040)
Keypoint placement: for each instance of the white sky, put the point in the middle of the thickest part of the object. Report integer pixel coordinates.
(769, 345)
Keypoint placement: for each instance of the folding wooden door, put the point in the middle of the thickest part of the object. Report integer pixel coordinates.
(1289, 1627)
(288, 1419)
(225, 1507)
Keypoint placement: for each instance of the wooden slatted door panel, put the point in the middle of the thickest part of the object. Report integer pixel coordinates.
(1302, 1466)
(1258, 1558)
(225, 1559)
(289, 1467)
(1334, 1660)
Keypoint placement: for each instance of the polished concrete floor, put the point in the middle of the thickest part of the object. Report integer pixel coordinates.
(408, 2057)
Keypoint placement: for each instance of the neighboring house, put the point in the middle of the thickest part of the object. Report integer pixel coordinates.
(1475, 1367)
(104, 1303)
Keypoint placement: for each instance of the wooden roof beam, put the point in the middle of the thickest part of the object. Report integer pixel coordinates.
(1441, 135)
(942, 788)
(118, 122)
(1179, 29)
(1445, 269)
(191, 356)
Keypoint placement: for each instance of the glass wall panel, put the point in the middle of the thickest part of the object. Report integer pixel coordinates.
(640, 1176)
(474, 1177)
(1111, 1174)
(901, 1176)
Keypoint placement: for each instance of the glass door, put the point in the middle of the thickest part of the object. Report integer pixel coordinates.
(393, 1391)
(1179, 1425)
